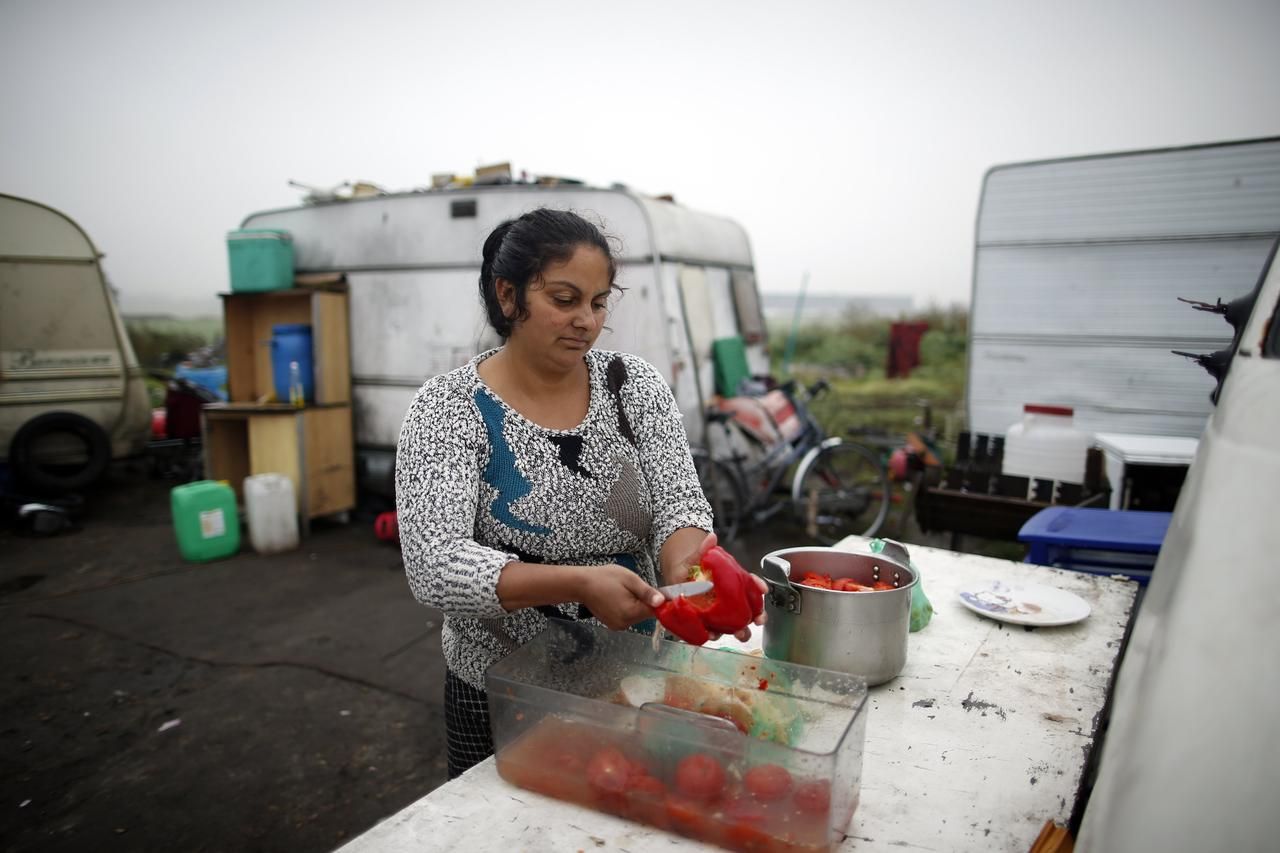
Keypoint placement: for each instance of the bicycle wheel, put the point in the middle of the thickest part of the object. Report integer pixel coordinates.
(720, 485)
(843, 490)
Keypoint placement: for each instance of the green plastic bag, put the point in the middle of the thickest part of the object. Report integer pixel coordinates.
(921, 608)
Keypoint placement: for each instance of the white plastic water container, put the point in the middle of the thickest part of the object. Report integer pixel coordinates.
(1046, 445)
(272, 512)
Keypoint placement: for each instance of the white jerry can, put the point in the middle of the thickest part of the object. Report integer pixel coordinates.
(272, 512)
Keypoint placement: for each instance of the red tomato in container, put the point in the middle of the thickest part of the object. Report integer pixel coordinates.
(700, 777)
(646, 801)
(608, 771)
(768, 782)
(813, 797)
(687, 818)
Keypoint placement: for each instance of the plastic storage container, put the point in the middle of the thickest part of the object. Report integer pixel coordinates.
(290, 344)
(205, 520)
(261, 259)
(726, 748)
(1046, 445)
(271, 510)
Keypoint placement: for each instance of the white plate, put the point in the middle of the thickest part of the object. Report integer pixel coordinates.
(1025, 603)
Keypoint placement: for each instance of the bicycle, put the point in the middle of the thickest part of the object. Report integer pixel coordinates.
(836, 487)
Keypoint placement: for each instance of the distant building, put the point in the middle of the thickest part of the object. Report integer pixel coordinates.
(780, 308)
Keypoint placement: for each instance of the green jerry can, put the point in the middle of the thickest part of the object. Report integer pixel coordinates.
(205, 520)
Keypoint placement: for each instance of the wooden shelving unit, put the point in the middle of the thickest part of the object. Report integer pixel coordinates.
(252, 433)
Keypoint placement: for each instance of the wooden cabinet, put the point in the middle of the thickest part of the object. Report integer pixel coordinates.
(254, 434)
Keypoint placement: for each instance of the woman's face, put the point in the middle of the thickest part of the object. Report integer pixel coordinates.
(567, 308)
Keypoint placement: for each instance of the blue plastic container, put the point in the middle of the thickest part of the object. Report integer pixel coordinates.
(261, 259)
(211, 378)
(292, 342)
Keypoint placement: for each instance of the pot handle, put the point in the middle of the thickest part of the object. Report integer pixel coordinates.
(776, 573)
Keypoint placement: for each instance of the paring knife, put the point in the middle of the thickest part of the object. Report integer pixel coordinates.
(676, 590)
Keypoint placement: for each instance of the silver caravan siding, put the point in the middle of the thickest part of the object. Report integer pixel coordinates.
(1077, 268)
(415, 311)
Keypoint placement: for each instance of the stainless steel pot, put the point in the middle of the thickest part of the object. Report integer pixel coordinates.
(861, 633)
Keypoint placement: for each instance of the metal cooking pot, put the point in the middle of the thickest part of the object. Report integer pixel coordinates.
(861, 633)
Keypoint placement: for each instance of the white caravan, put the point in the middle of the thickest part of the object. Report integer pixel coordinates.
(72, 396)
(412, 261)
(1078, 266)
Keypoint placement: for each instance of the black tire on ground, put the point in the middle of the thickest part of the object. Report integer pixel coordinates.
(83, 452)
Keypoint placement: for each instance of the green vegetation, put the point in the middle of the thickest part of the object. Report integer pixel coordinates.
(161, 341)
(851, 355)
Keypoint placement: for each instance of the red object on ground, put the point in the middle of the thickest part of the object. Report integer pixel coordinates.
(387, 527)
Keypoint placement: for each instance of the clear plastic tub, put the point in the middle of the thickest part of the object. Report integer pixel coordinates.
(723, 747)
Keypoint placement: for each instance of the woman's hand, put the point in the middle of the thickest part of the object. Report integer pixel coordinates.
(617, 596)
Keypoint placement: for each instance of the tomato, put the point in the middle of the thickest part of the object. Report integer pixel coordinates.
(848, 585)
(608, 770)
(768, 782)
(883, 585)
(700, 777)
(687, 818)
(646, 801)
(819, 581)
(748, 837)
(813, 797)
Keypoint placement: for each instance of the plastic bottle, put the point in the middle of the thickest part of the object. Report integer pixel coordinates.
(205, 520)
(297, 397)
(1046, 445)
(272, 513)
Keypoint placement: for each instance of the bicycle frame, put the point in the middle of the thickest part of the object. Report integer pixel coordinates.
(759, 481)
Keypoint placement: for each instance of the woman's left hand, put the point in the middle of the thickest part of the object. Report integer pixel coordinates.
(695, 559)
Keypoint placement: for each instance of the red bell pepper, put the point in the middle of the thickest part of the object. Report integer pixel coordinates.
(733, 602)
(681, 618)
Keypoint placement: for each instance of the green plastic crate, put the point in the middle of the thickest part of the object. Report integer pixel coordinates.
(261, 259)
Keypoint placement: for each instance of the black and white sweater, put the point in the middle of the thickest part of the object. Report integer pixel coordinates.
(478, 485)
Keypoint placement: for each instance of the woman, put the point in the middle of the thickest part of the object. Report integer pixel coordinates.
(543, 477)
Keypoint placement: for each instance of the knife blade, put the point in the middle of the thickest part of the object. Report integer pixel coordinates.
(675, 590)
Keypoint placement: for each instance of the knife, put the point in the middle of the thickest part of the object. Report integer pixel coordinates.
(675, 590)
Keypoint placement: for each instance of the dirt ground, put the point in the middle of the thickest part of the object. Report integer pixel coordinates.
(257, 703)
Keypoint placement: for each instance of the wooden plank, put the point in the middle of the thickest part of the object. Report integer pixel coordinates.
(330, 480)
(237, 321)
(226, 450)
(331, 348)
(273, 448)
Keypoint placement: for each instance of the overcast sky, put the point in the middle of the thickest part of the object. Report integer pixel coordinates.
(849, 138)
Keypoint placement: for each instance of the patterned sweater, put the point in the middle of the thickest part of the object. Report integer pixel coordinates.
(478, 485)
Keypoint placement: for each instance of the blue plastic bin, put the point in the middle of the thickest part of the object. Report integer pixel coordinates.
(212, 378)
(1098, 541)
(292, 342)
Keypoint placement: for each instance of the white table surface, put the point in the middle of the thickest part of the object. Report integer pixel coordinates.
(982, 738)
(1148, 449)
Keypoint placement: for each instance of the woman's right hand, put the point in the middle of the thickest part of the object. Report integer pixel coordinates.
(617, 596)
